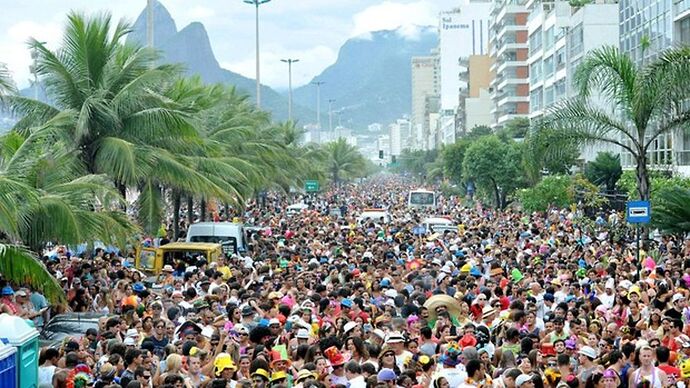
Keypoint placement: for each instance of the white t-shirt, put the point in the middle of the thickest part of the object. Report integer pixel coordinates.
(45, 374)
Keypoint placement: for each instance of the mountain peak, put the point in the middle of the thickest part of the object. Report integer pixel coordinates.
(164, 26)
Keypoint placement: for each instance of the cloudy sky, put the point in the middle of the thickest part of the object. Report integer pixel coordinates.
(311, 30)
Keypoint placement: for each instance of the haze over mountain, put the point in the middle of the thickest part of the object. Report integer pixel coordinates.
(191, 47)
(371, 80)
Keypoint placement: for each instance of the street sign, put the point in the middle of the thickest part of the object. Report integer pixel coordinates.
(311, 186)
(638, 212)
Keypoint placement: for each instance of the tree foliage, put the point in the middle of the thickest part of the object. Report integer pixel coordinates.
(605, 170)
(639, 104)
(671, 212)
(493, 166)
(551, 191)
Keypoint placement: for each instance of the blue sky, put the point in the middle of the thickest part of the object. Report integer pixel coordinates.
(311, 30)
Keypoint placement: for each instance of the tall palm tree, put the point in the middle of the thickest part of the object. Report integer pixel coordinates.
(123, 121)
(342, 160)
(641, 104)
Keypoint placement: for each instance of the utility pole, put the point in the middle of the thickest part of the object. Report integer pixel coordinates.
(330, 114)
(318, 102)
(289, 62)
(257, 3)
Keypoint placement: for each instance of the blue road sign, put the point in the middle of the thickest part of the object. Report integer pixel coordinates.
(638, 212)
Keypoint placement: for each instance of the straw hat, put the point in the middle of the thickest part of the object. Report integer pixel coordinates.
(440, 300)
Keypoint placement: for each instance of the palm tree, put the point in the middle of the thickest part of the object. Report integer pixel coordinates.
(122, 116)
(605, 170)
(342, 159)
(642, 103)
(672, 211)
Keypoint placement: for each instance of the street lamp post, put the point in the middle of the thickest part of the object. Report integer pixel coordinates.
(318, 102)
(289, 62)
(330, 114)
(257, 3)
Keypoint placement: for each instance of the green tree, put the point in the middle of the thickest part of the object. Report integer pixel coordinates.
(545, 150)
(491, 164)
(516, 128)
(671, 212)
(342, 160)
(453, 156)
(121, 117)
(640, 104)
(550, 191)
(605, 170)
(479, 131)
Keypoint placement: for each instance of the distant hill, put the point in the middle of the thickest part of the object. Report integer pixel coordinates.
(371, 80)
(191, 47)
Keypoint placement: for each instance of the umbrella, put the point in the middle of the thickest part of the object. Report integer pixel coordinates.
(437, 301)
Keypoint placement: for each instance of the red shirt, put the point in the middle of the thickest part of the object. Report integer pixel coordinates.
(670, 370)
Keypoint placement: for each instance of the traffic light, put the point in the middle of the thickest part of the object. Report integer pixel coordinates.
(380, 154)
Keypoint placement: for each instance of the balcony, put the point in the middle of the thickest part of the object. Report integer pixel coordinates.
(510, 29)
(506, 64)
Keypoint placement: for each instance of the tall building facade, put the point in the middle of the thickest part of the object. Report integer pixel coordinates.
(559, 37)
(508, 46)
(425, 83)
(463, 31)
(475, 100)
(646, 29)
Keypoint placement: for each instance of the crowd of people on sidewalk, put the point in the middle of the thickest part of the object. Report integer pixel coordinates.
(506, 299)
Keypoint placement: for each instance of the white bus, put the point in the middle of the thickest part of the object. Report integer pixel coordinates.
(421, 198)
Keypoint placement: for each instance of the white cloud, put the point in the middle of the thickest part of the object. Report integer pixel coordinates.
(391, 15)
(15, 49)
(312, 61)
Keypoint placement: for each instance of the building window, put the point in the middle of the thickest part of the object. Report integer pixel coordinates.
(548, 66)
(536, 100)
(535, 41)
(535, 72)
(684, 31)
(560, 58)
(548, 38)
(576, 40)
(559, 89)
(548, 96)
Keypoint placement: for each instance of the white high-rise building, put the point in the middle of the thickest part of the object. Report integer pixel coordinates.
(425, 82)
(559, 37)
(463, 31)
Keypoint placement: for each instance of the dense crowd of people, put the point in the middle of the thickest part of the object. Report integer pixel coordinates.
(319, 300)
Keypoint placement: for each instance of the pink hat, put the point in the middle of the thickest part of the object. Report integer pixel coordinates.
(649, 263)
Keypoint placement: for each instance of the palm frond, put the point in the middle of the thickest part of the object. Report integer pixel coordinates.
(19, 266)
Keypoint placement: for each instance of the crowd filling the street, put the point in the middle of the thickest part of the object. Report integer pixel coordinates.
(322, 297)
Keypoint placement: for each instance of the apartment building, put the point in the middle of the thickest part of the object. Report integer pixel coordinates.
(425, 84)
(508, 47)
(646, 29)
(560, 35)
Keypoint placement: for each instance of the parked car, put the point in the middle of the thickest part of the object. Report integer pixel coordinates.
(68, 325)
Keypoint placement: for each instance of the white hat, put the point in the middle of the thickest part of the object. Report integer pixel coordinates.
(391, 293)
(303, 333)
(625, 284)
(446, 269)
(132, 333)
(394, 337)
(349, 326)
(191, 269)
(168, 268)
(240, 328)
(610, 284)
(523, 378)
(379, 333)
(588, 351)
(273, 321)
(677, 297)
(129, 341)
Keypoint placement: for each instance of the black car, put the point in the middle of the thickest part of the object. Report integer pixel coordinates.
(68, 325)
